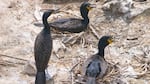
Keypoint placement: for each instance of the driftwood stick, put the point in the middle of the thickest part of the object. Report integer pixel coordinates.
(93, 31)
(13, 57)
(74, 66)
(77, 37)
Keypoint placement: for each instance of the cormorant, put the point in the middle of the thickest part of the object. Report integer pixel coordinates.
(74, 25)
(96, 65)
(42, 49)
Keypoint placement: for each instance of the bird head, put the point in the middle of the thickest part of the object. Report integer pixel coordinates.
(48, 12)
(104, 41)
(87, 6)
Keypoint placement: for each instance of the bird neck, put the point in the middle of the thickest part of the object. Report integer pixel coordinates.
(46, 25)
(84, 14)
(101, 51)
(86, 20)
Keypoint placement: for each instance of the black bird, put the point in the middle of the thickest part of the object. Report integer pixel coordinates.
(74, 25)
(42, 49)
(96, 66)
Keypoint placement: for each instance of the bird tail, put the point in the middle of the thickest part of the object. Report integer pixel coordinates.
(91, 80)
(40, 78)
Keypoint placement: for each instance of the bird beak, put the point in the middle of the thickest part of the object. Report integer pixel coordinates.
(91, 6)
(110, 40)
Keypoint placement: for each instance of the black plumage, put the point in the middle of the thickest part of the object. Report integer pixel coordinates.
(96, 65)
(74, 25)
(42, 49)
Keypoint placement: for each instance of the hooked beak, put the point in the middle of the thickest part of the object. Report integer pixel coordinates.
(91, 6)
(111, 40)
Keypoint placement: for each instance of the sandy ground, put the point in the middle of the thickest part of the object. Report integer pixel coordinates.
(129, 56)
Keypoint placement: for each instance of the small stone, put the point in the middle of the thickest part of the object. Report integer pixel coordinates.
(30, 69)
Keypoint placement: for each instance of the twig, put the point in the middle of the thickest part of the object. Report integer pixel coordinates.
(83, 42)
(93, 31)
(73, 37)
(77, 36)
(13, 57)
(66, 41)
(72, 82)
(57, 56)
(74, 66)
(6, 63)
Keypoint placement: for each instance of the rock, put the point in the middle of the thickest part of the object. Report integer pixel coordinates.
(29, 69)
(136, 81)
(128, 72)
(126, 9)
(118, 6)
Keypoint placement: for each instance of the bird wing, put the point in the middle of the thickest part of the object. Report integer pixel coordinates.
(70, 23)
(103, 64)
(93, 68)
(42, 50)
(93, 62)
